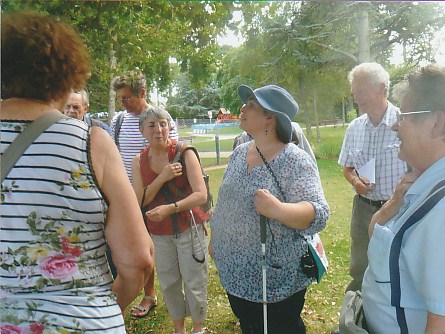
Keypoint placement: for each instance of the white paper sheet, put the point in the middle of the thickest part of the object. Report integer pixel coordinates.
(368, 171)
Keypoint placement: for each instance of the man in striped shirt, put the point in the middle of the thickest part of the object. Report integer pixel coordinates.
(131, 91)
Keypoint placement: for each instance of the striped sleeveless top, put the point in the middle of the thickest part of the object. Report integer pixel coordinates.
(54, 275)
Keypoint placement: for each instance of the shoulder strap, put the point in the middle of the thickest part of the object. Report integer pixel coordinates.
(25, 139)
(433, 198)
(181, 148)
(88, 120)
(117, 127)
(94, 122)
(271, 173)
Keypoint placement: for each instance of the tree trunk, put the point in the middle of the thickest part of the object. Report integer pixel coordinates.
(364, 53)
(317, 122)
(343, 111)
(112, 94)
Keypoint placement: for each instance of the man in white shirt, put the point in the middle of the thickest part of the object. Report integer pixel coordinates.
(369, 139)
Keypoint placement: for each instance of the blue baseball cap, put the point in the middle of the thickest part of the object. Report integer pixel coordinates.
(278, 101)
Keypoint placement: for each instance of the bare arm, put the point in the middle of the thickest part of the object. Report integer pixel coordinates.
(137, 178)
(170, 171)
(129, 241)
(296, 215)
(435, 324)
(197, 197)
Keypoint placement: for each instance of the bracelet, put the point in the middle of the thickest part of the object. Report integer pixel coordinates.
(176, 207)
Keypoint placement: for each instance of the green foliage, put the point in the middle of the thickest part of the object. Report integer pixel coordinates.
(189, 102)
(410, 24)
(309, 47)
(352, 114)
(141, 35)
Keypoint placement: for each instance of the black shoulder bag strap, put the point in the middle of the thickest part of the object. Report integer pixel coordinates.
(25, 139)
(271, 173)
(433, 198)
(117, 127)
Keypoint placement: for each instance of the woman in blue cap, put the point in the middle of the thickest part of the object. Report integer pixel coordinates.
(267, 177)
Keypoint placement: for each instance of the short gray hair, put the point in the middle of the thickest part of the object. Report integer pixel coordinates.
(426, 85)
(155, 112)
(85, 96)
(376, 73)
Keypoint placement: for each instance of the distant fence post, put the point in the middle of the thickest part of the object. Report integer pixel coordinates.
(218, 155)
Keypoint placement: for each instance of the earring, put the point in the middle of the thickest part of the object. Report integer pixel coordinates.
(266, 131)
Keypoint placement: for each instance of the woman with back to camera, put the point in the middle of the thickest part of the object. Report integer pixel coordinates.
(168, 190)
(268, 177)
(59, 201)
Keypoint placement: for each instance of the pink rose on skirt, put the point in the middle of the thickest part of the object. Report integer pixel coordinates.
(11, 329)
(34, 328)
(37, 328)
(58, 266)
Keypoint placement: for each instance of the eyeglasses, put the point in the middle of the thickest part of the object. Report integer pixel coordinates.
(124, 99)
(401, 115)
(75, 108)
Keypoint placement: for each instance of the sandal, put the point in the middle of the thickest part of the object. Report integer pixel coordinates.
(140, 311)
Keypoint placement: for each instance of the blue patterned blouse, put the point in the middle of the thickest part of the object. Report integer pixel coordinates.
(236, 229)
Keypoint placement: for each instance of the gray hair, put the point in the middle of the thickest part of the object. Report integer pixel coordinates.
(374, 71)
(133, 80)
(85, 96)
(426, 85)
(156, 113)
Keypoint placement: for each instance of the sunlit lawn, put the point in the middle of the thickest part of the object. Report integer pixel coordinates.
(323, 300)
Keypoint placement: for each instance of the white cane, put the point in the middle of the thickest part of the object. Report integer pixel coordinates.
(263, 253)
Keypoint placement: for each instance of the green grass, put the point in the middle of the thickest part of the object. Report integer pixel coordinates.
(225, 145)
(329, 145)
(209, 162)
(323, 300)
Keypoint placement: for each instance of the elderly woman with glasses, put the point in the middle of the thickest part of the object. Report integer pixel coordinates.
(273, 178)
(170, 193)
(403, 289)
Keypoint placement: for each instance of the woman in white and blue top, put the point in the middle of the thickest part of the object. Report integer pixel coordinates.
(249, 190)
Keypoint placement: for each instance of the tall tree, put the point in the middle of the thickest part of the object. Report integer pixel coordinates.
(309, 47)
(189, 102)
(139, 35)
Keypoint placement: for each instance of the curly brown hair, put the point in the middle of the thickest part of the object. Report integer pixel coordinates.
(42, 58)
